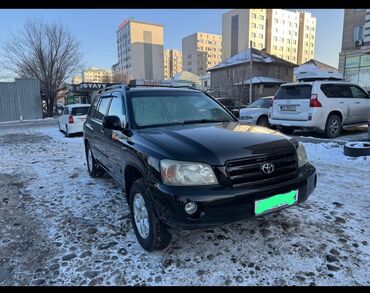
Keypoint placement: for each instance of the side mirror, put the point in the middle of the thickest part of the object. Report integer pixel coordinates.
(113, 122)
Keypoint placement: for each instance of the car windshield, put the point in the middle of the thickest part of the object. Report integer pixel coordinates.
(170, 107)
(261, 103)
(78, 111)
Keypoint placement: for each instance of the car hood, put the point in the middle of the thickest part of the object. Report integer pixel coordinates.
(213, 144)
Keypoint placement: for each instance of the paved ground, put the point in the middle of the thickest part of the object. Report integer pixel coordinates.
(58, 226)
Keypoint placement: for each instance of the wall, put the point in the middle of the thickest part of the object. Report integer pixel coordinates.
(20, 98)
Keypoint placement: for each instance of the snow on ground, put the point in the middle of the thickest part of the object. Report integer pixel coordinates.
(59, 226)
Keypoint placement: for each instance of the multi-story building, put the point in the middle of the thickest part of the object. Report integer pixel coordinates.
(240, 27)
(286, 34)
(97, 75)
(307, 37)
(354, 58)
(201, 51)
(172, 62)
(140, 50)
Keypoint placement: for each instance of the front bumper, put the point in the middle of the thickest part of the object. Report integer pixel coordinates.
(222, 204)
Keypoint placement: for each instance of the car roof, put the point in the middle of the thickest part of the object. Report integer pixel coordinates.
(317, 81)
(158, 89)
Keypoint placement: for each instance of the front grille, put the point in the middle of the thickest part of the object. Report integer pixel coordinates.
(247, 172)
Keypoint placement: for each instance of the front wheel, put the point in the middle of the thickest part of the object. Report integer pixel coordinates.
(149, 230)
(92, 166)
(263, 121)
(333, 126)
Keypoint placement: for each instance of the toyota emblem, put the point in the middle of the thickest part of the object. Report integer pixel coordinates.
(267, 168)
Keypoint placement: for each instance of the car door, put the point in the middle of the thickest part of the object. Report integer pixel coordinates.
(96, 123)
(115, 139)
(360, 104)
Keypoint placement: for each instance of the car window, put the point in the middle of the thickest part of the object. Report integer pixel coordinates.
(66, 111)
(93, 107)
(358, 93)
(227, 102)
(166, 108)
(117, 107)
(294, 92)
(79, 111)
(102, 108)
(261, 103)
(336, 90)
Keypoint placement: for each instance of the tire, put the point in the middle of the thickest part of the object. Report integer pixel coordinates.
(153, 235)
(357, 149)
(333, 126)
(263, 121)
(66, 133)
(287, 130)
(93, 167)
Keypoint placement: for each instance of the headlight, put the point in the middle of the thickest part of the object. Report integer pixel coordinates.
(302, 157)
(186, 173)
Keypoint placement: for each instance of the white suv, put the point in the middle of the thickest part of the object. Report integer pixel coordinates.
(321, 105)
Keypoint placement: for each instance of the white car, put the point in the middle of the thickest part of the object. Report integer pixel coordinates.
(320, 105)
(257, 112)
(72, 118)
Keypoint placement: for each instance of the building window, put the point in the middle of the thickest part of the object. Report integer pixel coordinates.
(357, 33)
(275, 47)
(260, 26)
(276, 20)
(262, 17)
(254, 25)
(261, 36)
(189, 56)
(275, 38)
(254, 15)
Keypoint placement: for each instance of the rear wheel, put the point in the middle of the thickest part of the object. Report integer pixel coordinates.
(263, 121)
(92, 165)
(66, 133)
(333, 126)
(149, 230)
(287, 130)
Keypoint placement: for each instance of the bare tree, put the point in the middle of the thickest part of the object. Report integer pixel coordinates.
(44, 51)
(121, 77)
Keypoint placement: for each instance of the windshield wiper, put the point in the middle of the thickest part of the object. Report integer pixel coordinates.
(203, 121)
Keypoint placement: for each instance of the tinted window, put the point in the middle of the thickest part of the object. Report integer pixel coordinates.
(117, 108)
(78, 111)
(261, 103)
(102, 108)
(336, 90)
(358, 93)
(93, 107)
(294, 92)
(166, 108)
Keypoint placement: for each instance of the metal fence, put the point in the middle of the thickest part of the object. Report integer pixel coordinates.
(20, 100)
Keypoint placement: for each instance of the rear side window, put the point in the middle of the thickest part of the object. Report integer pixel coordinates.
(66, 111)
(294, 92)
(93, 107)
(102, 108)
(336, 90)
(78, 111)
(227, 102)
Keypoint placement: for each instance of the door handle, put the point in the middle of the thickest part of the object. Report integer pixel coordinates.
(341, 102)
(357, 103)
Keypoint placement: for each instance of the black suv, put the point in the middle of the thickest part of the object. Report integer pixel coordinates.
(184, 161)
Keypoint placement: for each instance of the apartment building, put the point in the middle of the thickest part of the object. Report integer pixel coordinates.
(172, 62)
(354, 58)
(96, 75)
(286, 34)
(140, 50)
(201, 51)
(239, 27)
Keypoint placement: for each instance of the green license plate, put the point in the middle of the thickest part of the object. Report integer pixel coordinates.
(275, 202)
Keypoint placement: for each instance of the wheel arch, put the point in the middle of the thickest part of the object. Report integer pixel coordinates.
(131, 174)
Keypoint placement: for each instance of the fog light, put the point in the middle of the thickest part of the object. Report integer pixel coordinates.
(191, 208)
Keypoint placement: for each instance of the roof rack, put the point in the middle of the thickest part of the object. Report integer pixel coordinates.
(116, 86)
(171, 86)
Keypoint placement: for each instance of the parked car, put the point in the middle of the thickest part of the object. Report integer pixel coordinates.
(257, 112)
(186, 162)
(230, 105)
(72, 118)
(322, 105)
